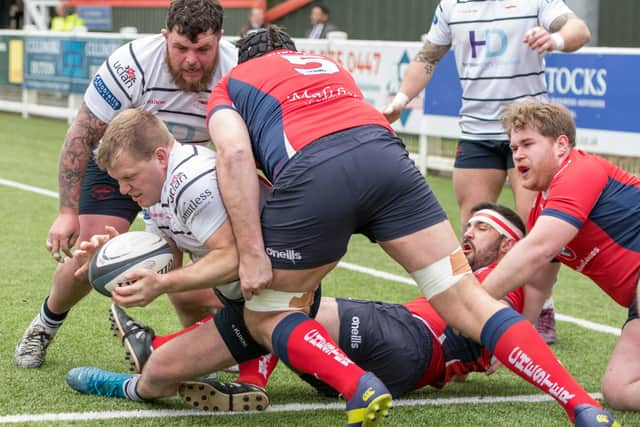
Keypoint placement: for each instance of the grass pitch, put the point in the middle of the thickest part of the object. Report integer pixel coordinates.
(41, 397)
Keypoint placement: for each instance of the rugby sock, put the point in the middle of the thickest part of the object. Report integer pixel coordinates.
(257, 371)
(159, 340)
(304, 345)
(515, 342)
(51, 321)
(129, 389)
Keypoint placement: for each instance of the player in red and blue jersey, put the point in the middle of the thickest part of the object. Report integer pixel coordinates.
(587, 216)
(338, 169)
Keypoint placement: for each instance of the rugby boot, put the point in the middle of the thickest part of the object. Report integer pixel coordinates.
(210, 395)
(136, 338)
(89, 380)
(590, 416)
(546, 325)
(32, 347)
(370, 403)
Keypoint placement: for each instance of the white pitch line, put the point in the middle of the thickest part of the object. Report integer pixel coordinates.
(361, 269)
(289, 407)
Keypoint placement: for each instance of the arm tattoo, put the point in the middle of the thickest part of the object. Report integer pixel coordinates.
(430, 55)
(560, 21)
(82, 137)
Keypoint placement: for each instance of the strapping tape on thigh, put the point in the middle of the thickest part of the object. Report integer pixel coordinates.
(272, 300)
(442, 274)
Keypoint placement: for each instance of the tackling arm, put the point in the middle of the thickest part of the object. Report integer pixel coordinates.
(239, 187)
(529, 256)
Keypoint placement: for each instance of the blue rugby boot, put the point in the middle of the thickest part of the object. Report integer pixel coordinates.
(88, 380)
(590, 416)
(370, 403)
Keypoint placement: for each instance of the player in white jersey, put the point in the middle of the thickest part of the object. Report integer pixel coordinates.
(499, 49)
(169, 75)
(177, 185)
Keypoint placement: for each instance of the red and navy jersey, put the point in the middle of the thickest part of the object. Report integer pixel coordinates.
(460, 354)
(603, 202)
(288, 100)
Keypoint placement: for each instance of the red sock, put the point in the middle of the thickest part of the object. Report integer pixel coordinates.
(159, 340)
(257, 371)
(521, 349)
(310, 349)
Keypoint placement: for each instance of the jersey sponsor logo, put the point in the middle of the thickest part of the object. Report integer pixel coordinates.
(315, 338)
(567, 254)
(194, 203)
(523, 363)
(288, 254)
(176, 180)
(494, 42)
(126, 73)
(355, 339)
(105, 93)
(155, 102)
(586, 260)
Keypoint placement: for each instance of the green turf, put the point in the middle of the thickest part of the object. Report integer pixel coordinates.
(31, 150)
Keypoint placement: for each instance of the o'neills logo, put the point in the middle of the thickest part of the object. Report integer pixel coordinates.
(314, 338)
(356, 338)
(523, 363)
(263, 364)
(289, 254)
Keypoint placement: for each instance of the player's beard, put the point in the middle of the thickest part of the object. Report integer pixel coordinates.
(201, 85)
(485, 257)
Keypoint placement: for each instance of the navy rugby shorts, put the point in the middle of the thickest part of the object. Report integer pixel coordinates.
(100, 195)
(385, 339)
(486, 154)
(360, 180)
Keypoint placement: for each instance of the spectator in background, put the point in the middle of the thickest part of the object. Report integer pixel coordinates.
(16, 14)
(66, 18)
(499, 55)
(255, 20)
(320, 24)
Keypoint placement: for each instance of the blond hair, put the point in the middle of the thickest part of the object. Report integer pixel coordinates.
(551, 120)
(135, 131)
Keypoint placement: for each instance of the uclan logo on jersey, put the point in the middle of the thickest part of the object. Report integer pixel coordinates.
(126, 73)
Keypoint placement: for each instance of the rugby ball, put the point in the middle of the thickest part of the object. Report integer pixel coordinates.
(126, 252)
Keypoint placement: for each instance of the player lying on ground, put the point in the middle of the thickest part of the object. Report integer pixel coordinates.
(177, 186)
(407, 346)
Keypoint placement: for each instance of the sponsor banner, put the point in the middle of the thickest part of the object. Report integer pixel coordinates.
(596, 84)
(377, 67)
(64, 64)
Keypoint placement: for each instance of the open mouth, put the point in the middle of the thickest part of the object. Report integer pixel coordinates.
(523, 170)
(467, 247)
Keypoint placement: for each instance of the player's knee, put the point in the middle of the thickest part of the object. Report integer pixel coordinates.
(614, 393)
(442, 274)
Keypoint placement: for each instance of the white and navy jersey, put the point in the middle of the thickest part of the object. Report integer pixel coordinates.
(494, 64)
(136, 75)
(190, 209)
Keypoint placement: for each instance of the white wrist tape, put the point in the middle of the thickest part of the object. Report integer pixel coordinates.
(558, 40)
(400, 99)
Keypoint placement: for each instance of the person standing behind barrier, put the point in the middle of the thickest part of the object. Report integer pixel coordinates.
(66, 19)
(499, 50)
(320, 24)
(255, 20)
(170, 75)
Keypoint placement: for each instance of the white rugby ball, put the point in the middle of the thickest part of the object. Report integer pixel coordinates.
(126, 252)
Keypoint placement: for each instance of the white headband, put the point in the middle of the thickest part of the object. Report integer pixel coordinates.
(501, 224)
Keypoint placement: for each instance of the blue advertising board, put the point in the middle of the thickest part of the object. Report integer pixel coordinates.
(96, 18)
(598, 87)
(64, 64)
